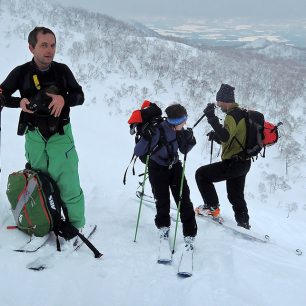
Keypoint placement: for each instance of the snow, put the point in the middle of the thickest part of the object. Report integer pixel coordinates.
(228, 270)
(256, 43)
(273, 49)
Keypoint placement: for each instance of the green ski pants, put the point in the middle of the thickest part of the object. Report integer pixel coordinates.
(59, 158)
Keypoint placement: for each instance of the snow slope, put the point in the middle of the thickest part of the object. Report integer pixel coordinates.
(275, 50)
(228, 270)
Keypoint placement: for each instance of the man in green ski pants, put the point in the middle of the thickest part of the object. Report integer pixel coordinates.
(47, 91)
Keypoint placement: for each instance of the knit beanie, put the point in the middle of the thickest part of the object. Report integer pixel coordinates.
(226, 94)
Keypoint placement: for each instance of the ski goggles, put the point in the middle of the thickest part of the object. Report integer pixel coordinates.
(177, 121)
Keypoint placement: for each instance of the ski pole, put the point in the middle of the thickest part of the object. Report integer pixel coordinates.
(180, 201)
(200, 119)
(211, 149)
(142, 193)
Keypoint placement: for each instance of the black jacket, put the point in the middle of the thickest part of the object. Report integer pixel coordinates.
(21, 78)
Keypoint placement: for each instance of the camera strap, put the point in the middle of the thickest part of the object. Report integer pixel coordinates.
(36, 82)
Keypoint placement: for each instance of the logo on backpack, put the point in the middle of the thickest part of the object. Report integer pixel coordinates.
(51, 202)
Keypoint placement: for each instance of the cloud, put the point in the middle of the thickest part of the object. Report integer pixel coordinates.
(141, 9)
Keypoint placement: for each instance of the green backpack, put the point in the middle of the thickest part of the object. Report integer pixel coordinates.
(35, 202)
(38, 208)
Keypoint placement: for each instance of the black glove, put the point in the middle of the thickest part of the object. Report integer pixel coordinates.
(190, 139)
(185, 140)
(212, 136)
(188, 133)
(209, 110)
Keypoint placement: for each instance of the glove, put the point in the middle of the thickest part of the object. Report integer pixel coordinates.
(185, 140)
(211, 135)
(189, 138)
(209, 110)
(188, 133)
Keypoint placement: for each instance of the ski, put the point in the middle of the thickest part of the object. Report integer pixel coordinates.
(185, 268)
(34, 244)
(164, 252)
(47, 261)
(145, 197)
(239, 231)
(247, 234)
(236, 230)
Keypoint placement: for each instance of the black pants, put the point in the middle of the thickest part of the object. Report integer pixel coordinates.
(161, 179)
(234, 173)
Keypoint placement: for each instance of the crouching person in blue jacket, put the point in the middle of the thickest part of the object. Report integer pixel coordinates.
(165, 169)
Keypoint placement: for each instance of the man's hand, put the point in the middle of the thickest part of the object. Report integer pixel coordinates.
(56, 105)
(212, 136)
(209, 110)
(23, 105)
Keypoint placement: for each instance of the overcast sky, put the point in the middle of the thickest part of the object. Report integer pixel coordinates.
(197, 9)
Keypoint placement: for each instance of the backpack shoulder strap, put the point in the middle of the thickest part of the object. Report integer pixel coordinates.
(243, 113)
(134, 157)
(163, 142)
(238, 114)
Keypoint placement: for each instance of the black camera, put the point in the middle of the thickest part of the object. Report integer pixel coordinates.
(41, 101)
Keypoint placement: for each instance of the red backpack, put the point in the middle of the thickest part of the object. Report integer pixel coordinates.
(260, 134)
(270, 133)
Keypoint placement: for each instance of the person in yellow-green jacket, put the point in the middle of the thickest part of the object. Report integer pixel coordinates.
(234, 167)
